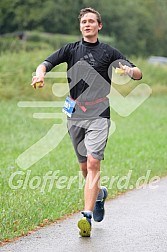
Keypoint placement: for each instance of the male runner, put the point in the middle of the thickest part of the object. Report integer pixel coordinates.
(89, 77)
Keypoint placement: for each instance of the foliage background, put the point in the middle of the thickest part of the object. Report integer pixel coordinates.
(135, 27)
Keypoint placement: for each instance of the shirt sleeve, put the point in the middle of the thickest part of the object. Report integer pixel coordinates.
(58, 57)
(118, 56)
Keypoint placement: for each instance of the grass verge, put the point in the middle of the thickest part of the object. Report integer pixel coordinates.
(137, 146)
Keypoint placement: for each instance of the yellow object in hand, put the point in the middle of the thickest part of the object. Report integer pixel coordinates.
(37, 84)
(119, 70)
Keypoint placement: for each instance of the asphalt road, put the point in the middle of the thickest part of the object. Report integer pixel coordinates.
(134, 222)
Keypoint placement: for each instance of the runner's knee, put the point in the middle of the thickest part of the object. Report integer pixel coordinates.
(93, 163)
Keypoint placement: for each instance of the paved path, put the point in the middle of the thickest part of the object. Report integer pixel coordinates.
(134, 222)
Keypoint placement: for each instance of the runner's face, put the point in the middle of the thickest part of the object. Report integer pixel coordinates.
(89, 26)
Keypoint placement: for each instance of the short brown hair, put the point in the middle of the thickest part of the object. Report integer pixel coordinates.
(87, 10)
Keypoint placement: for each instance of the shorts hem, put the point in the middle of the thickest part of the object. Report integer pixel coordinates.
(96, 156)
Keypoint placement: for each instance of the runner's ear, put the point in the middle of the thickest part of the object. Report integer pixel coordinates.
(100, 26)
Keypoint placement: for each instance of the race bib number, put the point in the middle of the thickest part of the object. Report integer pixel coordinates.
(69, 106)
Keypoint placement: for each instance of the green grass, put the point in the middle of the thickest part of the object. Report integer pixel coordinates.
(138, 145)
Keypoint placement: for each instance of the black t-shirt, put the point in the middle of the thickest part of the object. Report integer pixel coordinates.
(89, 71)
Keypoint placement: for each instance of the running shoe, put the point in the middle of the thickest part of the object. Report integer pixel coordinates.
(98, 212)
(85, 225)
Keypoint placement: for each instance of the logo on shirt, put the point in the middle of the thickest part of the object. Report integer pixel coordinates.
(89, 59)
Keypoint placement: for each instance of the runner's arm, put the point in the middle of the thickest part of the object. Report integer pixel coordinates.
(133, 72)
(39, 76)
(53, 60)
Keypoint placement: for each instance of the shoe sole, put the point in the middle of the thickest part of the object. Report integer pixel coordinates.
(85, 227)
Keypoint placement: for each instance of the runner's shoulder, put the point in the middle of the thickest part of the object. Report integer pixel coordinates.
(107, 47)
(73, 45)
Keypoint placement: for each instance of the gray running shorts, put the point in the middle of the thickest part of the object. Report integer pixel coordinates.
(89, 137)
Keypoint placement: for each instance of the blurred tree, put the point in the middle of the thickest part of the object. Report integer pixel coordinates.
(157, 39)
(138, 27)
(7, 16)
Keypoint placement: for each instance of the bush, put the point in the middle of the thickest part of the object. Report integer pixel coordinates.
(37, 40)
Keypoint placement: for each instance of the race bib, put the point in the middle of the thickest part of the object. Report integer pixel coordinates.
(69, 106)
